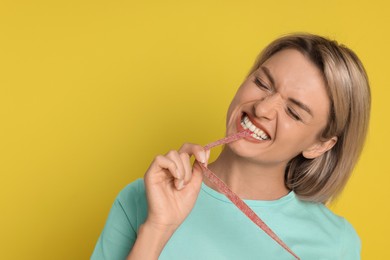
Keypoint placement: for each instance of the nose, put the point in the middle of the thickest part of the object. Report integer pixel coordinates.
(268, 106)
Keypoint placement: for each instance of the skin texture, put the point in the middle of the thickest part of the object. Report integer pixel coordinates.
(252, 169)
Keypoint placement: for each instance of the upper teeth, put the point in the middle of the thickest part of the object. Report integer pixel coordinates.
(257, 133)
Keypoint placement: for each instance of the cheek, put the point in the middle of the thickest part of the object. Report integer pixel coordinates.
(231, 108)
(299, 138)
(238, 99)
(246, 94)
(290, 132)
(286, 126)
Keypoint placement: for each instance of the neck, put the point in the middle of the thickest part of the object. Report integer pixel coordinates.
(249, 180)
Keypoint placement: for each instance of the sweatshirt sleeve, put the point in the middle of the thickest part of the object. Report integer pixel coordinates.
(351, 244)
(120, 231)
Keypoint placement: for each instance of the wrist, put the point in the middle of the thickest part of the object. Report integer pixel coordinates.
(157, 228)
(151, 240)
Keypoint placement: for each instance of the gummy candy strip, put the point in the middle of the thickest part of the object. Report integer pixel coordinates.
(224, 189)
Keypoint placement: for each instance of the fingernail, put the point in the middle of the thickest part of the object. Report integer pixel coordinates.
(178, 173)
(180, 184)
(202, 157)
(208, 156)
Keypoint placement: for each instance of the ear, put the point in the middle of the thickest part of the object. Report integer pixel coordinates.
(319, 148)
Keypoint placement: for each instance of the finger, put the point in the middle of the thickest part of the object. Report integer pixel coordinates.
(197, 175)
(207, 157)
(197, 168)
(194, 149)
(185, 158)
(174, 156)
(163, 163)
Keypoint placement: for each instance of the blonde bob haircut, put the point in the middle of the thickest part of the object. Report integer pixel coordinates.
(323, 178)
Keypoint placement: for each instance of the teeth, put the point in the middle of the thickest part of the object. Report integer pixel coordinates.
(257, 133)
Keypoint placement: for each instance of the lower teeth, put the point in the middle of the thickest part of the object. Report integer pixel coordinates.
(256, 137)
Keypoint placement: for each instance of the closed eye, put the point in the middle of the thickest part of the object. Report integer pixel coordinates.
(261, 84)
(291, 112)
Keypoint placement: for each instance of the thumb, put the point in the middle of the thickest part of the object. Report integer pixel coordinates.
(197, 175)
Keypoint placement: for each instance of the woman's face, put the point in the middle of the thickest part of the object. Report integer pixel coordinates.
(285, 102)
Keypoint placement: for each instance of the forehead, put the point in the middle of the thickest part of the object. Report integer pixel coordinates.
(293, 65)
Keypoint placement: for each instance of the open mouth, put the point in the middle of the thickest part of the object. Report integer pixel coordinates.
(257, 133)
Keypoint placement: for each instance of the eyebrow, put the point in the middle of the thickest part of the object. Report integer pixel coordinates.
(268, 74)
(292, 100)
(301, 105)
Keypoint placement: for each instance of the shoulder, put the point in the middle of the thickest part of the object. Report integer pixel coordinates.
(133, 191)
(318, 212)
(338, 228)
(350, 242)
(132, 200)
(120, 231)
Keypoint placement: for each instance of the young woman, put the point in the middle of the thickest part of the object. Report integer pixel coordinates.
(307, 102)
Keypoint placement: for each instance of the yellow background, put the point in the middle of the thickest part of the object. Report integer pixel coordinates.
(91, 91)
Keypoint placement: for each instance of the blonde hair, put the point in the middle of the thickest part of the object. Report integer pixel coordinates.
(323, 178)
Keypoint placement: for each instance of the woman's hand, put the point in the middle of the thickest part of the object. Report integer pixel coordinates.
(172, 186)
